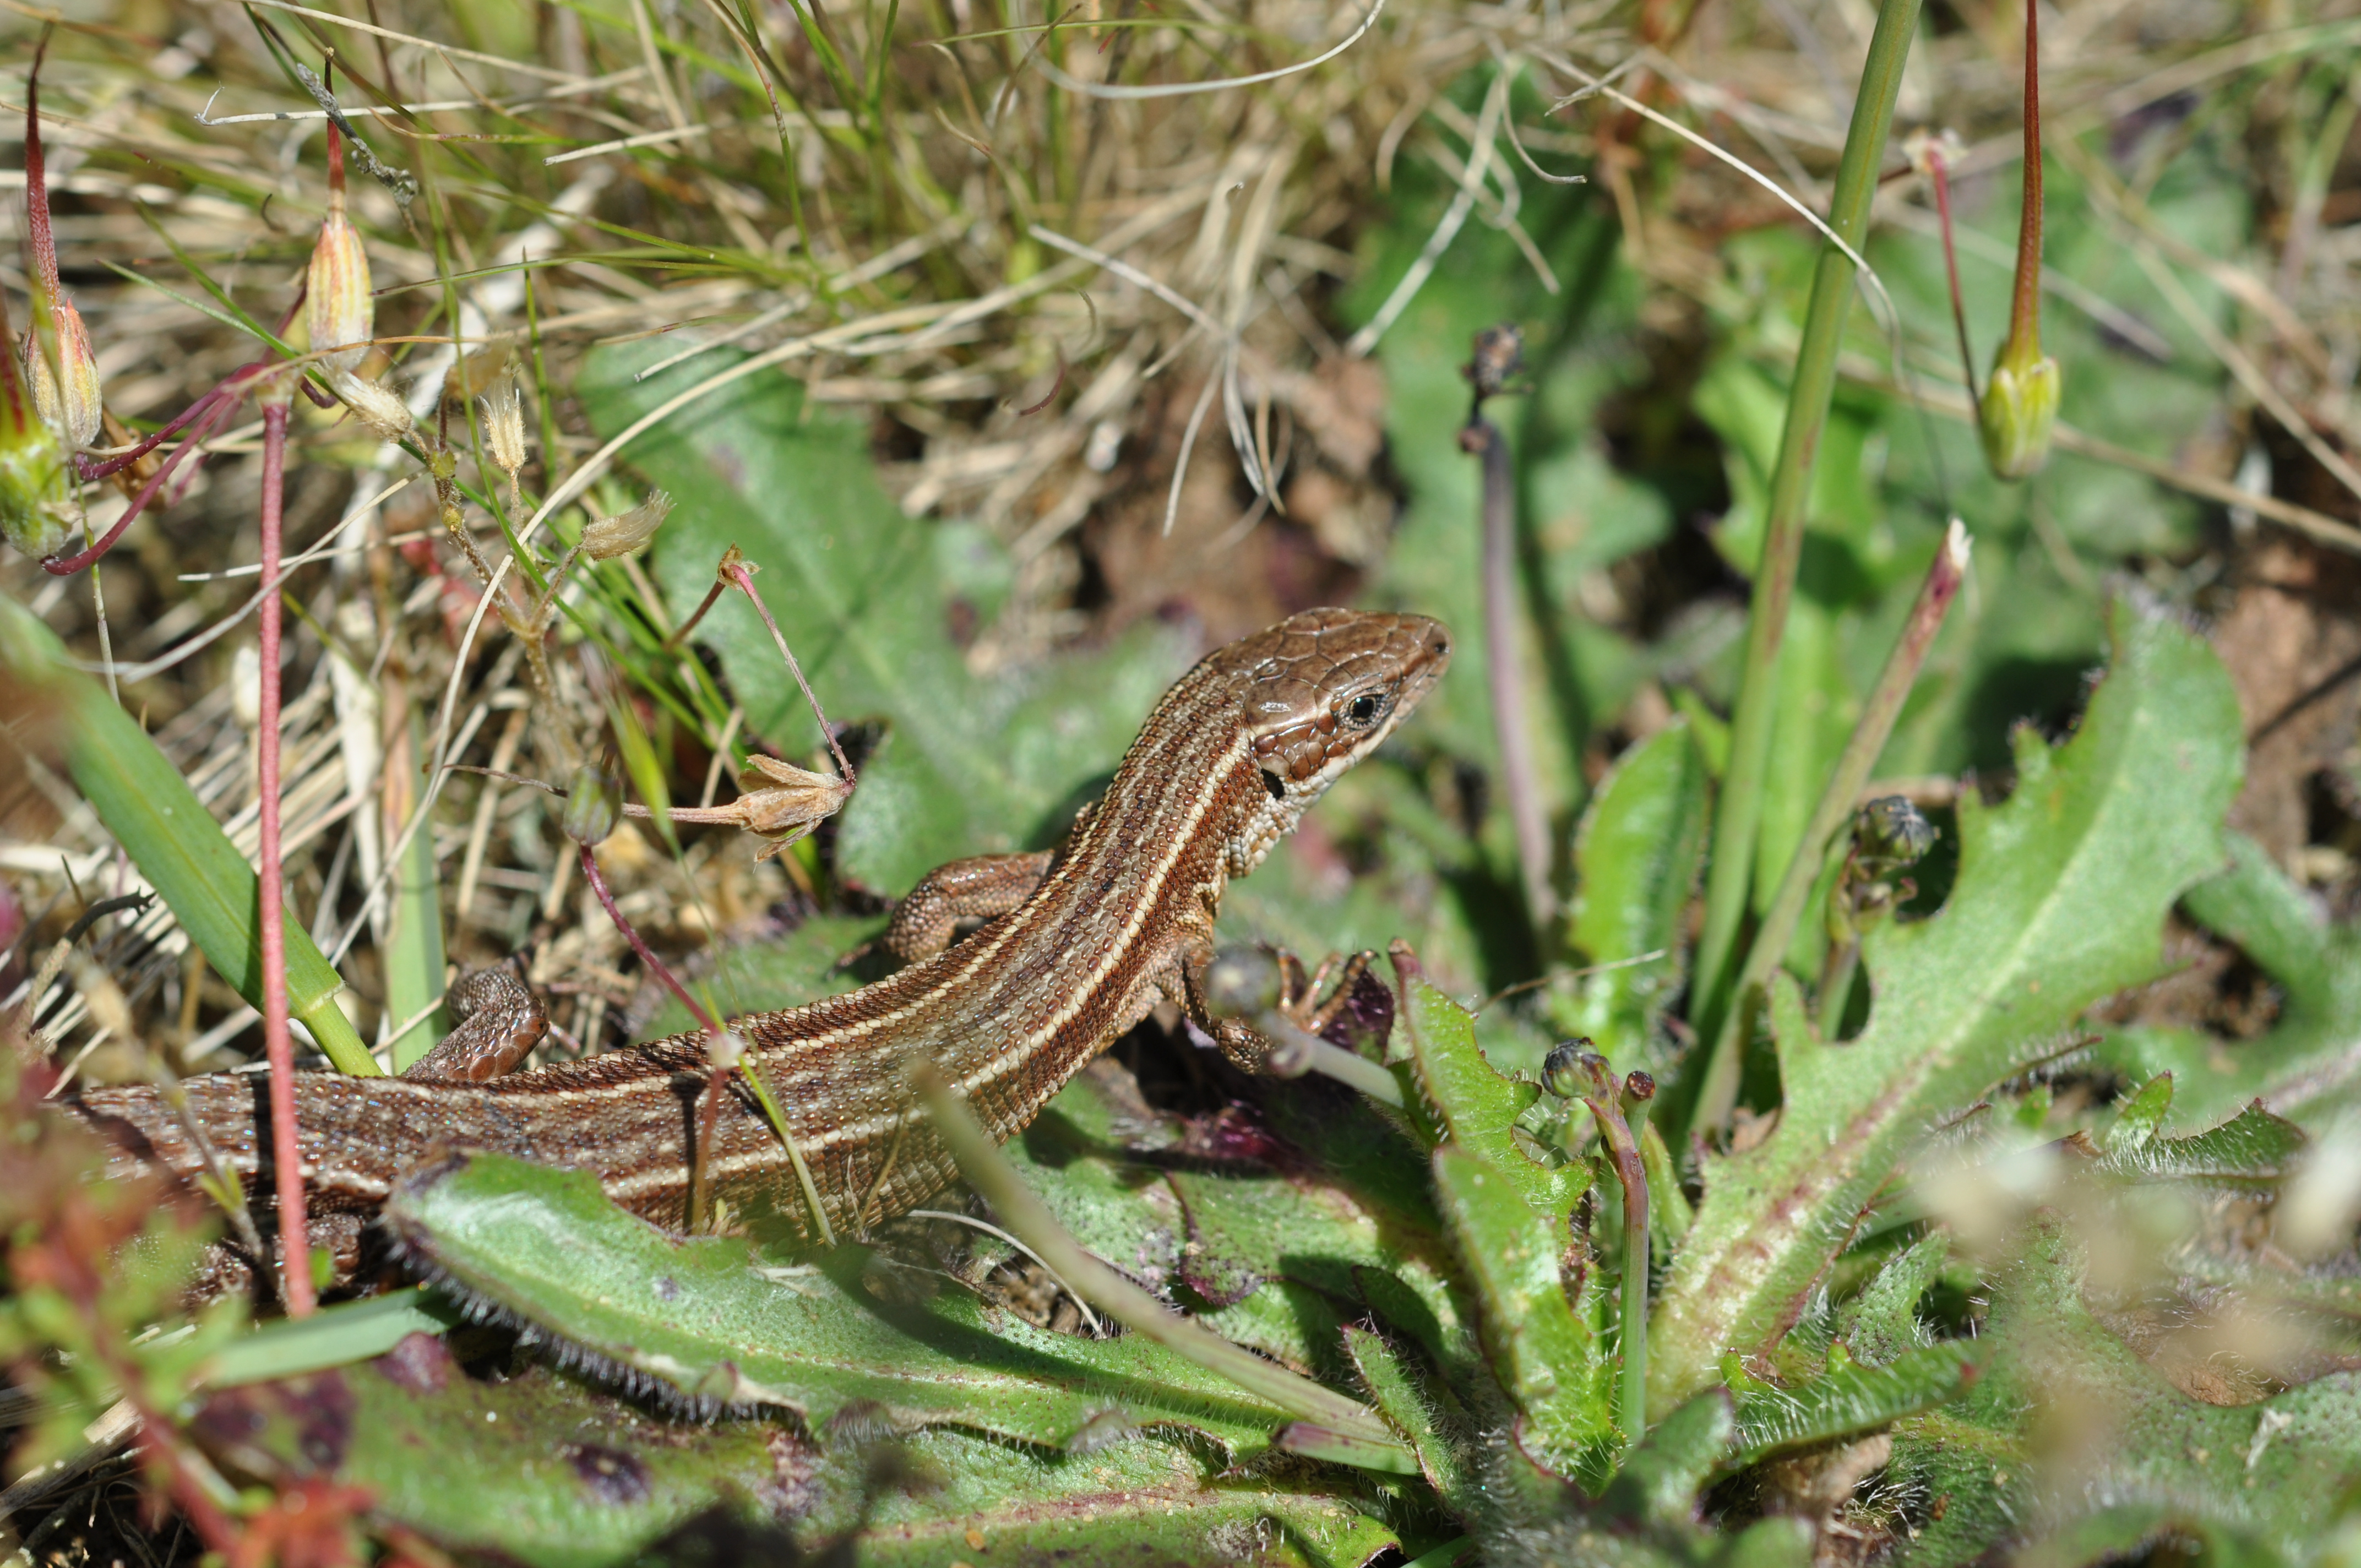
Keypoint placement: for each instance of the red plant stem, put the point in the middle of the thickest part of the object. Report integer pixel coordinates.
(100, 468)
(286, 1155)
(2025, 307)
(709, 1117)
(38, 238)
(223, 400)
(213, 1527)
(743, 575)
(1939, 173)
(1520, 780)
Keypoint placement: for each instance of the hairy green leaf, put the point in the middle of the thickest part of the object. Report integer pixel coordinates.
(2060, 900)
(1852, 1399)
(1636, 864)
(1544, 1352)
(1881, 1324)
(696, 1318)
(2067, 1418)
(533, 1469)
(1420, 1406)
(2253, 1149)
(2310, 1063)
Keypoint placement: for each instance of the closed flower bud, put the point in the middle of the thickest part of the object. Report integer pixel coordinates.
(339, 307)
(2019, 411)
(594, 803)
(626, 531)
(32, 464)
(67, 398)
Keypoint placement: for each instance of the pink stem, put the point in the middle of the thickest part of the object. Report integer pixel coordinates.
(222, 400)
(1940, 173)
(2025, 307)
(711, 1114)
(286, 1155)
(743, 575)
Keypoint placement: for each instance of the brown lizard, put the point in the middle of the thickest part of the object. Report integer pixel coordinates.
(1082, 943)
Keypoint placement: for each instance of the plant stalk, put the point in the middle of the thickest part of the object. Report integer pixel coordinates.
(286, 1151)
(1718, 1094)
(1738, 815)
(988, 1170)
(1519, 781)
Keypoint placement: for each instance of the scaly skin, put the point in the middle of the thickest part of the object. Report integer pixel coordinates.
(1094, 936)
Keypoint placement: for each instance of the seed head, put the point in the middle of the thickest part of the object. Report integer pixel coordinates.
(338, 307)
(504, 426)
(68, 398)
(385, 414)
(781, 802)
(626, 531)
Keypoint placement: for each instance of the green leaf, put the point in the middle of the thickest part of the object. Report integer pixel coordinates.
(1636, 863)
(333, 1336)
(171, 837)
(1476, 1106)
(1854, 1399)
(2269, 1471)
(1661, 1479)
(532, 1469)
(2303, 1066)
(1420, 1406)
(695, 1317)
(2060, 900)
(2141, 1115)
(1129, 1502)
(2254, 1149)
(967, 766)
(1546, 1355)
(1881, 1324)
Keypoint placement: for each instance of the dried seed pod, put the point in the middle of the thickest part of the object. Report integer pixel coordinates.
(339, 309)
(609, 537)
(386, 415)
(783, 802)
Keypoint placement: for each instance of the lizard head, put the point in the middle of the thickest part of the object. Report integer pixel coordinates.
(1318, 692)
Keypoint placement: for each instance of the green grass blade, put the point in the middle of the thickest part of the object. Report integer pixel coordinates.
(172, 839)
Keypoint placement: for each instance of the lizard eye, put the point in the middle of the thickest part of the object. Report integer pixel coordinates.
(1365, 708)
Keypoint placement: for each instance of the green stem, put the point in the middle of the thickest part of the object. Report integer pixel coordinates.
(988, 1170)
(1719, 1092)
(1738, 816)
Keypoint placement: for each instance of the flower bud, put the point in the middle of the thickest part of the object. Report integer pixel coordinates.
(73, 408)
(339, 307)
(2019, 409)
(32, 464)
(1573, 1070)
(626, 531)
(594, 803)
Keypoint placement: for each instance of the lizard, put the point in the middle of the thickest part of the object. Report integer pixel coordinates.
(1078, 944)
